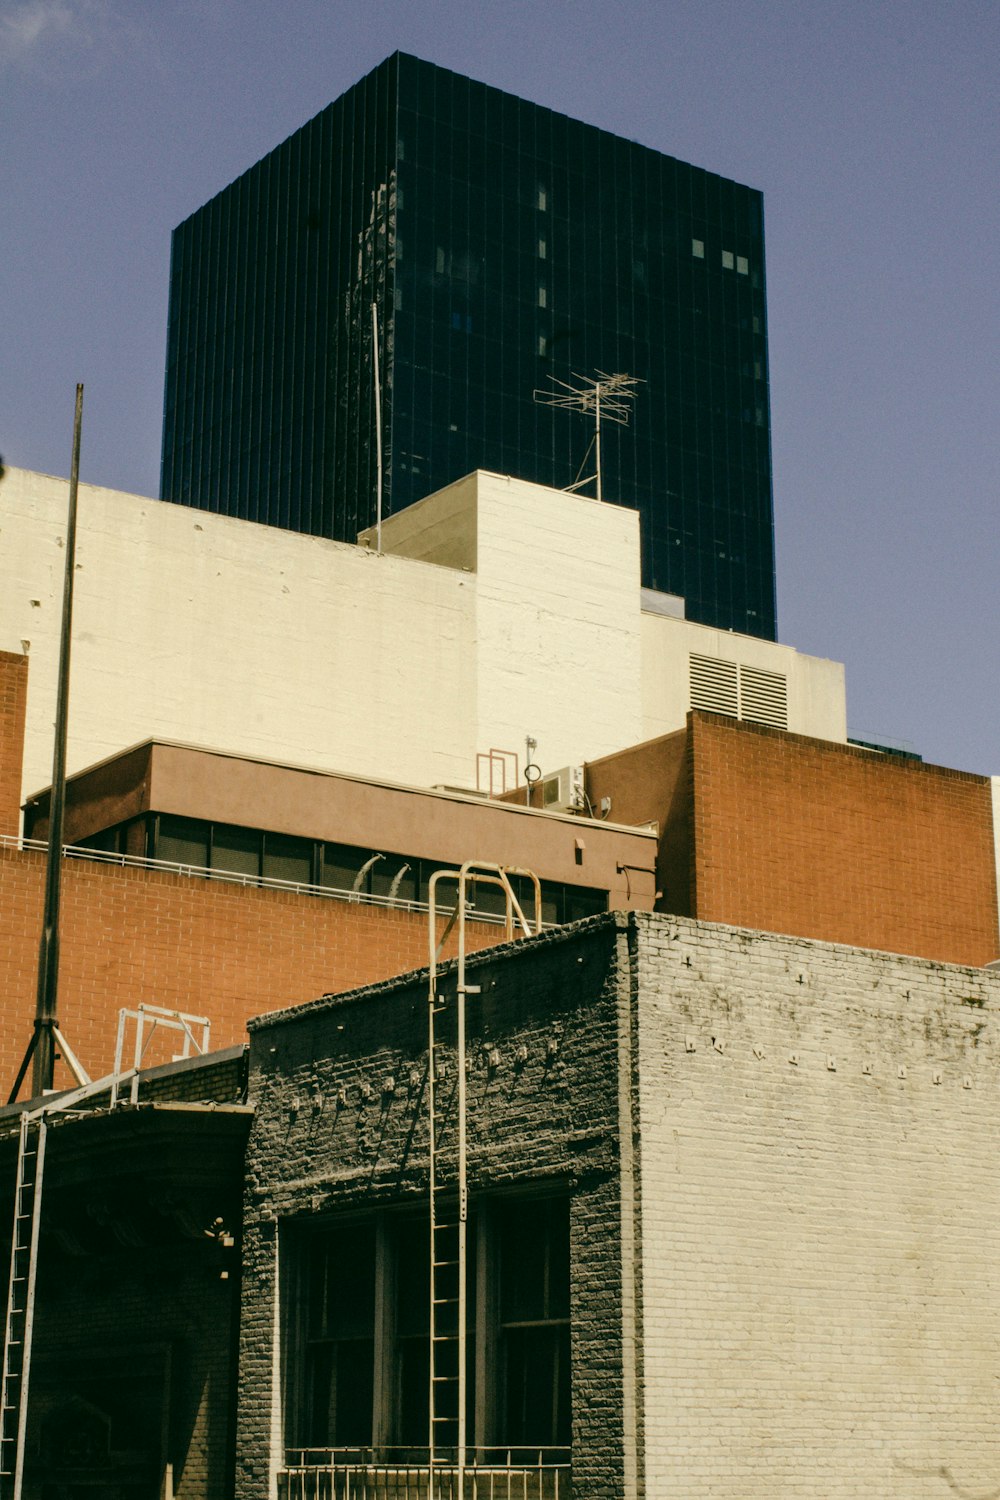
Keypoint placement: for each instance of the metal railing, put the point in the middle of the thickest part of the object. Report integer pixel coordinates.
(404, 1474)
(238, 877)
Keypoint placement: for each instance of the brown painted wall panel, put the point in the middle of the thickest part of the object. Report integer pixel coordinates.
(407, 821)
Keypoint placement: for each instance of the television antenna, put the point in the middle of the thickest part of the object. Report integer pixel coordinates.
(609, 397)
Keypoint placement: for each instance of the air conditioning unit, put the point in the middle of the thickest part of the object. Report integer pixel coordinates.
(562, 791)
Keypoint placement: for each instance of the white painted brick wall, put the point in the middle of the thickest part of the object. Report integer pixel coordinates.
(820, 1284)
(245, 638)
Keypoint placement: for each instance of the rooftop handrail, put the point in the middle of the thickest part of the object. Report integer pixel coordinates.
(237, 877)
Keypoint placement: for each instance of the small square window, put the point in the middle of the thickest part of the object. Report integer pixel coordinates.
(727, 260)
(698, 249)
(742, 265)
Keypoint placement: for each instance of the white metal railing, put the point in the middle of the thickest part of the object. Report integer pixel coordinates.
(403, 1474)
(237, 877)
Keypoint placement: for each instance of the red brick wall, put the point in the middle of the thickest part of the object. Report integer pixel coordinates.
(220, 950)
(821, 840)
(13, 698)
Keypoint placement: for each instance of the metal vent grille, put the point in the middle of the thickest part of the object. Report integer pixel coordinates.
(728, 687)
(714, 686)
(764, 697)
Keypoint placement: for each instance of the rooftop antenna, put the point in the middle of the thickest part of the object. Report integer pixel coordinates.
(609, 397)
(46, 1034)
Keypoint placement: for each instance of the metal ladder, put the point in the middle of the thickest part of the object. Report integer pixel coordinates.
(449, 1204)
(21, 1302)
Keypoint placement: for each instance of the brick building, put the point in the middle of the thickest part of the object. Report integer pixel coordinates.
(799, 835)
(739, 1184)
(223, 886)
(136, 1297)
(207, 934)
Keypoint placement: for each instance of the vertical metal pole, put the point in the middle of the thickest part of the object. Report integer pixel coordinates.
(140, 1027)
(432, 1184)
(597, 436)
(378, 432)
(46, 1007)
(463, 1196)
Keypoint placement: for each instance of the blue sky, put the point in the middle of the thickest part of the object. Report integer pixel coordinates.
(873, 130)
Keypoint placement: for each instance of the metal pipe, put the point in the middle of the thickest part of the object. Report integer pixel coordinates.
(378, 433)
(359, 879)
(597, 435)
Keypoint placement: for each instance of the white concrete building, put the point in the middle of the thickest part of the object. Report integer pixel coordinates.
(496, 610)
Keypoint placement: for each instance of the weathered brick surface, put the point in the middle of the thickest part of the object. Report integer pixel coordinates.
(13, 704)
(821, 1305)
(165, 1321)
(794, 1296)
(829, 841)
(551, 1118)
(209, 947)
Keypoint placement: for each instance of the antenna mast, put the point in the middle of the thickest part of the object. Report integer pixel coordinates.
(46, 1034)
(609, 397)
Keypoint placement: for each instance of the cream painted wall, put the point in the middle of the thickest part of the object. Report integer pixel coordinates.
(558, 622)
(401, 666)
(240, 637)
(817, 703)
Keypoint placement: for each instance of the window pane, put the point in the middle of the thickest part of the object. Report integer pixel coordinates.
(341, 863)
(537, 1395)
(287, 858)
(340, 1351)
(236, 849)
(183, 841)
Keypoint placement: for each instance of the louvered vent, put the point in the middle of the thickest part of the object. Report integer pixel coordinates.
(764, 697)
(723, 687)
(713, 685)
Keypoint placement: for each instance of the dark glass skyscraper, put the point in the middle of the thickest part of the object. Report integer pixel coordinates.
(502, 244)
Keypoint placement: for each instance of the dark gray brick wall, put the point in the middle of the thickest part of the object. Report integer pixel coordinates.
(341, 1123)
